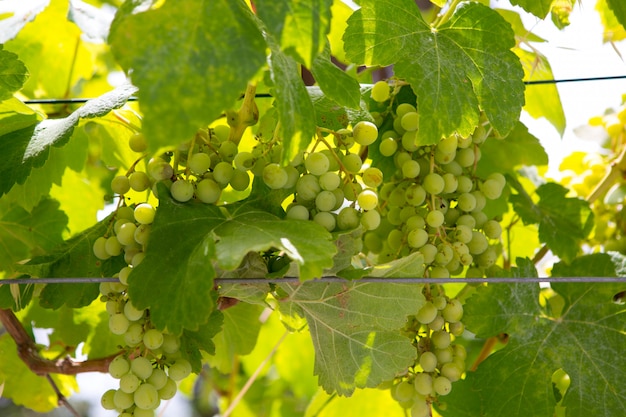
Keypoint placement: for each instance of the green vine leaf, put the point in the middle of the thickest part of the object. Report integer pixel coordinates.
(182, 58)
(463, 66)
(336, 84)
(176, 281)
(516, 380)
(354, 328)
(13, 73)
(539, 8)
(563, 221)
(300, 27)
(619, 10)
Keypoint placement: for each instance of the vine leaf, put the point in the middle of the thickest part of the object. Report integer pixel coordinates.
(300, 27)
(13, 73)
(619, 10)
(94, 22)
(457, 69)
(176, 280)
(28, 146)
(335, 83)
(182, 59)
(354, 328)
(563, 221)
(25, 387)
(520, 147)
(73, 258)
(539, 8)
(583, 340)
(613, 30)
(19, 13)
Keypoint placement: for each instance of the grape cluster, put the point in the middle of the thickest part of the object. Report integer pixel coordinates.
(440, 361)
(434, 203)
(151, 364)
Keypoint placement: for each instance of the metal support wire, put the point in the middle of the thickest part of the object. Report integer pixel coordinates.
(266, 95)
(334, 279)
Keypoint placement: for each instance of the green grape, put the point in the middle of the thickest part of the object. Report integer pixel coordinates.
(129, 383)
(308, 187)
(409, 141)
(465, 157)
(415, 195)
(112, 246)
(113, 307)
(182, 190)
(453, 311)
(463, 233)
(365, 133)
(406, 213)
(444, 355)
(427, 313)
(499, 178)
(153, 339)
(275, 176)
(466, 202)
(352, 163)
(433, 183)
(325, 201)
(137, 258)
(139, 181)
(423, 384)
(118, 324)
(492, 229)
(107, 400)
(99, 248)
(334, 156)
(348, 218)
(388, 146)
(297, 212)
(123, 400)
(118, 367)
(435, 218)
(466, 220)
(429, 251)
(437, 323)
(169, 390)
(444, 158)
(138, 143)
(199, 163)
(370, 220)
(393, 216)
(442, 385)
(171, 343)
(460, 352)
(456, 329)
(208, 191)
(444, 255)
(481, 201)
(394, 239)
(144, 214)
(367, 199)
(410, 169)
(132, 313)
(146, 397)
(417, 238)
(142, 367)
(118, 224)
(420, 408)
(126, 234)
(142, 234)
(317, 163)
(221, 132)
(428, 361)
(120, 184)
(439, 271)
(415, 222)
(465, 184)
(244, 161)
(158, 379)
(448, 145)
(292, 177)
(453, 168)
(404, 391)
(325, 219)
(401, 157)
(478, 244)
(159, 169)
(480, 218)
(450, 183)
(223, 172)
(140, 412)
(487, 258)
(398, 198)
(179, 370)
(134, 335)
(329, 181)
(404, 108)
(491, 189)
(228, 150)
(440, 338)
(372, 177)
(380, 91)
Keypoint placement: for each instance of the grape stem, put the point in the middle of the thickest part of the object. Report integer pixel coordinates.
(443, 18)
(247, 115)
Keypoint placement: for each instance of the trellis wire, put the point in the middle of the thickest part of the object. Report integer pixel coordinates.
(334, 279)
(133, 98)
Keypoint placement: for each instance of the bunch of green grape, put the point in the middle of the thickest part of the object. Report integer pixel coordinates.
(434, 202)
(440, 361)
(151, 365)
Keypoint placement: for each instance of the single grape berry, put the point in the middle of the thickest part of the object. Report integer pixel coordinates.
(380, 91)
(365, 133)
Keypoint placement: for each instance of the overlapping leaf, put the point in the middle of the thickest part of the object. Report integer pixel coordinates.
(462, 66)
(355, 330)
(176, 279)
(585, 341)
(183, 58)
(13, 73)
